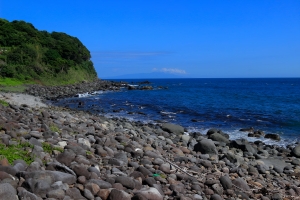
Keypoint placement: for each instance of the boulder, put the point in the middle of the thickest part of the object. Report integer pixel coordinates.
(296, 151)
(226, 182)
(8, 192)
(125, 181)
(172, 128)
(243, 145)
(277, 164)
(118, 195)
(272, 136)
(218, 137)
(66, 157)
(241, 183)
(148, 193)
(102, 184)
(120, 158)
(206, 146)
(24, 194)
(213, 130)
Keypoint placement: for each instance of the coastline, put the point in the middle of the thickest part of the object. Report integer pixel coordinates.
(121, 159)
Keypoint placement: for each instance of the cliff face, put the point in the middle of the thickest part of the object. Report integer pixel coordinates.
(29, 54)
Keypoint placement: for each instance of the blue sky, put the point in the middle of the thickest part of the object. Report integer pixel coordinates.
(195, 38)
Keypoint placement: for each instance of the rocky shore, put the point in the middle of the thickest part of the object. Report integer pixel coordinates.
(77, 155)
(55, 92)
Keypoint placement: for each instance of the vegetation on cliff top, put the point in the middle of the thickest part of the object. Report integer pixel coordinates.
(27, 54)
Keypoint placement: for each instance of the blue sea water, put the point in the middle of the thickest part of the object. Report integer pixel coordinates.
(268, 104)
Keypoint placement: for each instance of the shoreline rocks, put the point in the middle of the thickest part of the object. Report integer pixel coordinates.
(56, 92)
(77, 155)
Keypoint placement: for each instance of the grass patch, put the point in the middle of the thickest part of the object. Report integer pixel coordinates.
(15, 152)
(73, 76)
(123, 143)
(10, 82)
(12, 85)
(54, 128)
(49, 148)
(4, 103)
(17, 89)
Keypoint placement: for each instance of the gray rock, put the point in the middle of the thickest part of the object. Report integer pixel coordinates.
(125, 181)
(276, 196)
(39, 187)
(296, 151)
(137, 174)
(88, 194)
(173, 128)
(66, 157)
(74, 193)
(217, 189)
(78, 150)
(186, 138)
(241, 183)
(218, 137)
(49, 176)
(144, 171)
(56, 194)
(34, 141)
(94, 188)
(273, 136)
(166, 168)
(234, 158)
(94, 169)
(206, 146)
(152, 154)
(24, 194)
(34, 166)
(102, 184)
(36, 134)
(216, 197)
(276, 164)
(121, 157)
(7, 192)
(243, 144)
(19, 167)
(9, 170)
(158, 161)
(60, 185)
(81, 170)
(118, 195)
(150, 181)
(149, 193)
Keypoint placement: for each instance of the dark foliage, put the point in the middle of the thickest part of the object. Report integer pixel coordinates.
(34, 53)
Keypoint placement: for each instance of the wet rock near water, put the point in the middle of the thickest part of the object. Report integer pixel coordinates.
(76, 155)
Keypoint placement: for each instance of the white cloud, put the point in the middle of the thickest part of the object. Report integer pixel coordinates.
(170, 70)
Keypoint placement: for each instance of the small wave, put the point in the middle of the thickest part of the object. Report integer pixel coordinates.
(167, 113)
(245, 119)
(83, 95)
(97, 92)
(87, 94)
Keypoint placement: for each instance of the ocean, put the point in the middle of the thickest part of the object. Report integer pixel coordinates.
(268, 104)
